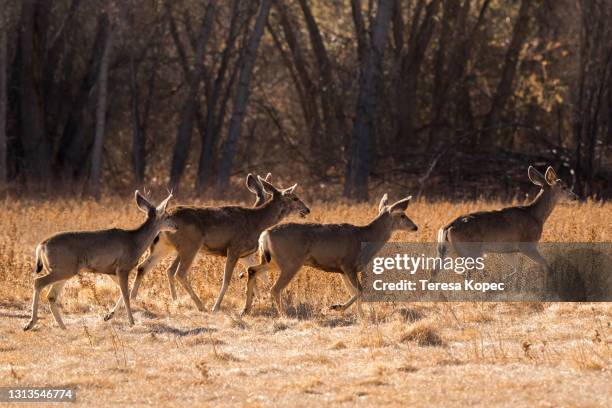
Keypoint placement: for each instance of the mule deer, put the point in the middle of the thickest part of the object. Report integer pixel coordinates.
(113, 252)
(329, 247)
(507, 231)
(155, 255)
(230, 231)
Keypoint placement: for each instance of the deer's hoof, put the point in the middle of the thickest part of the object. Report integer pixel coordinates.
(108, 316)
(28, 326)
(337, 307)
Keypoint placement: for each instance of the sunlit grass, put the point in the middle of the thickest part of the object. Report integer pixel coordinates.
(417, 353)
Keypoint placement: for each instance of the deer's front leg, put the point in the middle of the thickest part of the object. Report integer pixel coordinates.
(125, 293)
(118, 304)
(351, 282)
(121, 279)
(230, 263)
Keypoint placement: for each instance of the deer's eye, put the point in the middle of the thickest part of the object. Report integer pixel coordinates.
(295, 199)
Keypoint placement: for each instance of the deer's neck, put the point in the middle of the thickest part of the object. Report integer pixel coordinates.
(269, 213)
(145, 234)
(541, 207)
(379, 230)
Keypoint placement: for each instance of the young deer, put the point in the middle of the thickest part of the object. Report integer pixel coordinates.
(507, 231)
(114, 252)
(230, 231)
(329, 247)
(155, 255)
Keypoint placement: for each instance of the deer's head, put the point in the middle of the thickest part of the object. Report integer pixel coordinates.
(157, 214)
(255, 187)
(551, 183)
(397, 213)
(289, 200)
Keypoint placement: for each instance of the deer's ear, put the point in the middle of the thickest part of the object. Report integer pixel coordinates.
(401, 205)
(268, 187)
(162, 206)
(252, 184)
(535, 176)
(290, 189)
(142, 203)
(384, 201)
(551, 176)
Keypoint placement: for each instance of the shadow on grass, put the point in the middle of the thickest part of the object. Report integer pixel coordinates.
(301, 311)
(160, 328)
(337, 321)
(14, 315)
(410, 315)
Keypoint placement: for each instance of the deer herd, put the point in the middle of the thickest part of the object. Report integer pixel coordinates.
(256, 238)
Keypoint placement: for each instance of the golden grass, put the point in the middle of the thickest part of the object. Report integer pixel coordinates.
(451, 354)
(423, 334)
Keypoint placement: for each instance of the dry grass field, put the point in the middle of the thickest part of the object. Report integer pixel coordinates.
(412, 354)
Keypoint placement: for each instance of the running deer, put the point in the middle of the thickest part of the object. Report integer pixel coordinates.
(155, 255)
(113, 252)
(230, 231)
(329, 247)
(507, 231)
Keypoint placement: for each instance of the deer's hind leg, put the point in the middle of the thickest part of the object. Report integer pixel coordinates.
(53, 298)
(170, 272)
(531, 251)
(250, 261)
(39, 284)
(253, 273)
(286, 274)
(467, 250)
(186, 259)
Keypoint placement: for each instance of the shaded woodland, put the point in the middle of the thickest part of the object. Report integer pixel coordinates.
(443, 98)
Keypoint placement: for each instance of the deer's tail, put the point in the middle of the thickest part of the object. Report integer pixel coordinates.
(442, 240)
(39, 264)
(264, 247)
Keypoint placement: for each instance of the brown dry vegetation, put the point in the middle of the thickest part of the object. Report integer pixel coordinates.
(419, 354)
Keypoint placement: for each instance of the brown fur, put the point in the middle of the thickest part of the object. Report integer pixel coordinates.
(509, 230)
(230, 231)
(113, 252)
(329, 247)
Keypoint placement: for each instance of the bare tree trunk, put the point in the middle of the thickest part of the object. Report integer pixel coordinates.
(70, 155)
(449, 14)
(138, 138)
(410, 68)
(3, 98)
(360, 31)
(33, 136)
(98, 146)
(305, 86)
(331, 105)
(364, 136)
(594, 82)
(241, 97)
(209, 136)
(504, 88)
(183, 138)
